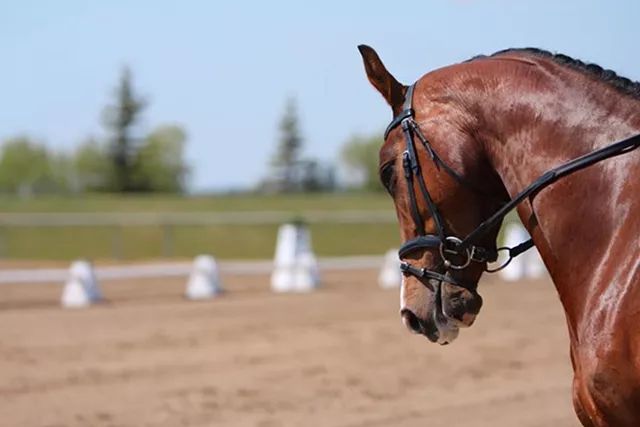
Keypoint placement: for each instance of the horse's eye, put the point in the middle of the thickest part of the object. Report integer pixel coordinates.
(387, 177)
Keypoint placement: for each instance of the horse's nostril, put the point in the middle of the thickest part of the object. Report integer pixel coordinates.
(411, 321)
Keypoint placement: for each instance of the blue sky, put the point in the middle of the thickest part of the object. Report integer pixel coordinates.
(224, 69)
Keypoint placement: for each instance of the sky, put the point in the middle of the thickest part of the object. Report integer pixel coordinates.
(224, 70)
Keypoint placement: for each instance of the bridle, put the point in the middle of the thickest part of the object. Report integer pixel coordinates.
(465, 249)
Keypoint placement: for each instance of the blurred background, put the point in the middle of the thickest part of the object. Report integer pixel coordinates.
(145, 133)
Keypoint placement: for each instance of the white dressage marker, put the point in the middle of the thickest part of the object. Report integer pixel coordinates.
(527, 265)
(81, 288)
(204, 281)
(295, 265)
(307, 273)
(390, 276)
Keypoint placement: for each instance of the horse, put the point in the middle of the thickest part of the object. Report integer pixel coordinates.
(531, 130)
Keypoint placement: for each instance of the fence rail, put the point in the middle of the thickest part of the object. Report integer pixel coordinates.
(92, 219)
(175, 269)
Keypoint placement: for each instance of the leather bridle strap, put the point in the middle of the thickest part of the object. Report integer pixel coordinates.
(616, 149)
(430, 241)
(406, 113)
(411, 168)
(423, 273)
(440, 163)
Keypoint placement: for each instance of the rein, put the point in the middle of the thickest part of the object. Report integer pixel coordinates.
(465, 248)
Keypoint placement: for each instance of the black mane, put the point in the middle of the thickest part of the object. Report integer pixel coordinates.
(622, 84)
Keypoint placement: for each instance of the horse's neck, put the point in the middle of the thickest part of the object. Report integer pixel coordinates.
(584, 221)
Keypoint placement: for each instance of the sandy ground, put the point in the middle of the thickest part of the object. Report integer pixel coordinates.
(338, 357)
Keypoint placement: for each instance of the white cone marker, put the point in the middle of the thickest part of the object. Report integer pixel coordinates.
(526, 265)
(295, 265)
(81, 289)
(390, 276)
(204, 281)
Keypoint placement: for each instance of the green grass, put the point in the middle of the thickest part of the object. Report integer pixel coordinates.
(141, 203)
(225, 242)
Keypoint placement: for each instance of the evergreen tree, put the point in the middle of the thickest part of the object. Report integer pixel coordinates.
(120, 119)
(287, 156)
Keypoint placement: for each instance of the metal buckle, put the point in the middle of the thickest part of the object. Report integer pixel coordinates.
(504, 264)
(478, 254)
(444, 250)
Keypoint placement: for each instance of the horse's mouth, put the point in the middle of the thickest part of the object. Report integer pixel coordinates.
(458, 305)
(437, 326)
(447, 329)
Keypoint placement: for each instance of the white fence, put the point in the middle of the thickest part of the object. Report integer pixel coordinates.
(175, 269)
(93, 219)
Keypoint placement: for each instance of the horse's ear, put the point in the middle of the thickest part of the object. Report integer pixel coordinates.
(392, 90)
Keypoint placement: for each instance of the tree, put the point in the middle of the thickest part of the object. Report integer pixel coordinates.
(120, 119)
(287, 157)
(92, 166)
(316, 176)
(62, 173)
(160, 164)
(25, 167)
(360, 154)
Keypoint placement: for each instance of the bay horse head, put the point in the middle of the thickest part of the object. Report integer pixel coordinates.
(432, 166)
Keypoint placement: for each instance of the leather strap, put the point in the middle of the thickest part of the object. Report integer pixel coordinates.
(549, 178)
(423, 273)
(407, 111)
(430, 241)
